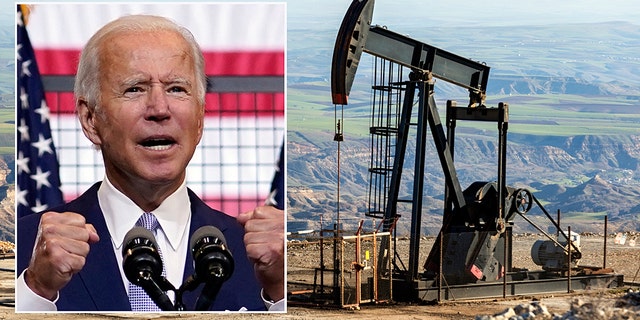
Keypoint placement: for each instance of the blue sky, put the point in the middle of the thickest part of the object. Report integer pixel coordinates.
(466, 12)
(486, 12)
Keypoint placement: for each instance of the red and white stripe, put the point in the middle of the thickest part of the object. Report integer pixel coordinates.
(237, 39)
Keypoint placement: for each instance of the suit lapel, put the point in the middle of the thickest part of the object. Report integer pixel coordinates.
(201, 215)
(101, 273)
(242, 289)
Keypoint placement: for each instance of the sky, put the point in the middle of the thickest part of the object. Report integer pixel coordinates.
(490, 12)
(468, 12)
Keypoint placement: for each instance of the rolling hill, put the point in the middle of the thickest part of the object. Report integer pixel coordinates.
(574, 131)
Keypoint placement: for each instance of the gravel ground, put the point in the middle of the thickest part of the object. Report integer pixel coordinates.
(623, 259)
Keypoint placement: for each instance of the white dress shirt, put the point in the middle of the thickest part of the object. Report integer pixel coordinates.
(174, 216)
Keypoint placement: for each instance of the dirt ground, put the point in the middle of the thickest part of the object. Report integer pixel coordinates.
(623, 259)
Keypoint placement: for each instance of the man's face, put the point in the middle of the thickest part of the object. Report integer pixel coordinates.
(148, 121)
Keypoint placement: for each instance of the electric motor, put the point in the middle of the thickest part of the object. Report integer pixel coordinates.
(551, 256)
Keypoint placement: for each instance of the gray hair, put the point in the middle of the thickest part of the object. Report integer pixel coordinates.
(87, 82)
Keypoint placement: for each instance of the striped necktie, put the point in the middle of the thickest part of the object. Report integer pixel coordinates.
(139, 299)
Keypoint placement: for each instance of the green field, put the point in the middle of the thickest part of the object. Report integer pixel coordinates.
(7, 131)
(7, 114)
(7, 117)
(585, 216)
(7, 150)
(310, 110)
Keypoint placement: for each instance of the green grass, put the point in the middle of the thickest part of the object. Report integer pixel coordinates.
(7, 115)
(7, 131)
(543, 115)
(567, 115)
(7, 150)
(585, 216)
(7, 128)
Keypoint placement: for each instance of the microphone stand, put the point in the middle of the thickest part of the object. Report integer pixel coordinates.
(208, 294)
(156, 290)
(189, 285)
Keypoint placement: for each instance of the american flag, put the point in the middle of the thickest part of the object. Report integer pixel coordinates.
(276, 196)
(38, 186)
(244, 47)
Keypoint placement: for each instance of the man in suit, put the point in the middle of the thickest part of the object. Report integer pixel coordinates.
(140, 92)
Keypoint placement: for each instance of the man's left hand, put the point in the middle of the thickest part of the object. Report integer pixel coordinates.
(264, 240)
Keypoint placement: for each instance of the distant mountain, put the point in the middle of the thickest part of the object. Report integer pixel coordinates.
(561, 172)
(600, 195)
(7, 198)
(548, 59)
(574, 95)
(7, 28)
(7, 98)
(527, 59)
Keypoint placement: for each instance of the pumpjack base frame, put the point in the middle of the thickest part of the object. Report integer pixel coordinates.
(518, 284)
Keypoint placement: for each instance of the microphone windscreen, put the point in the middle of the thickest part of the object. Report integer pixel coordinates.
(206, 231)
(139, 232)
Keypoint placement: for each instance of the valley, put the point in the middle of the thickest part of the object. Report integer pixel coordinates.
(573, 138)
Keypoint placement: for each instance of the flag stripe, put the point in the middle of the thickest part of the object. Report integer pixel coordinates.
(224, 27)
(217, 104)
(219, 84)
(235, 63)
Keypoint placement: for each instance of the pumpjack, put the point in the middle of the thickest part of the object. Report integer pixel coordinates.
(472, 255)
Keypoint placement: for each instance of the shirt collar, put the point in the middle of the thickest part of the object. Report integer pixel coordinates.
(121, 214)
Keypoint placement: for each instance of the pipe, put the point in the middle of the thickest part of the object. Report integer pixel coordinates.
(604, 259)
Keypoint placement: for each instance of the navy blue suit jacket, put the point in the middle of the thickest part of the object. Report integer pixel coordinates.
(99, 287)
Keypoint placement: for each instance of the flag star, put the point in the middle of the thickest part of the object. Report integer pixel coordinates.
(24, 130)
(41, 178)
(43, 111)
(25, 68)
(271, 199)
(18, 48)
(43, 145)
(24, 98)
(19, 18)
(21, 196)
(22, 163)
(39, 206)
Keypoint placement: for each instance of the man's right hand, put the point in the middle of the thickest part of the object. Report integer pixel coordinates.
(62, 245)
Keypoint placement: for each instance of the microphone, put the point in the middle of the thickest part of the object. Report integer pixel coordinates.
(213, 263)
(143, 266)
